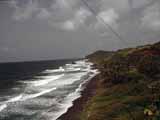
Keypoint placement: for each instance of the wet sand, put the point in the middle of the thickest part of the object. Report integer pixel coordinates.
(79, 104)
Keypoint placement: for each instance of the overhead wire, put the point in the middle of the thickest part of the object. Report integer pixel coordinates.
(107, 25)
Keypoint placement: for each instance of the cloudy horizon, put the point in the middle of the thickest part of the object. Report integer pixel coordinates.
(56, 29)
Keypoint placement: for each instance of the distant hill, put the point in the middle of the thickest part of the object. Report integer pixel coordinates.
(100, 55)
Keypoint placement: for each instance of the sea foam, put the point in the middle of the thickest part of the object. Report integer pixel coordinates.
(53, 81)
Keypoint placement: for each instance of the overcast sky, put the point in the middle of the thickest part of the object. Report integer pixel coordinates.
(55, 29)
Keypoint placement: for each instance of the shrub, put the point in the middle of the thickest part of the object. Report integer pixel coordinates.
(116, 69)
(149, 65)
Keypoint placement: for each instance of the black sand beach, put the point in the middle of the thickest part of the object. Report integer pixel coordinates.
(79, 104)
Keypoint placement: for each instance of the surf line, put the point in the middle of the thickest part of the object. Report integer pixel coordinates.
(22, 97)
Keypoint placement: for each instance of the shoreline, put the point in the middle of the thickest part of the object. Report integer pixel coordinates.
(79, 104)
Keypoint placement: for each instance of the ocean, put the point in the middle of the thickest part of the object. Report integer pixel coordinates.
(41, 90)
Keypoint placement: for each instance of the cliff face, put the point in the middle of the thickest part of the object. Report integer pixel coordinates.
(129, 84)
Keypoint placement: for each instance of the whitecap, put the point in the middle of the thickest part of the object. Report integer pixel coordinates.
(61, 69)
(43, 80)
(46, 80)
(2, 107)
(14, 99)
(68, 100)
(23, 97)
(68, 79)
(26, 97)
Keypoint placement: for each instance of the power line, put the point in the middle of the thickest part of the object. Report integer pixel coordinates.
(104, 23)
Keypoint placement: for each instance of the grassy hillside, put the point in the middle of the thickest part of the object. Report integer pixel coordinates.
(129, 85)
(99, 56)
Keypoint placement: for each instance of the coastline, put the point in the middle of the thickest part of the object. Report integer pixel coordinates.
(124, 88)
(79, 104)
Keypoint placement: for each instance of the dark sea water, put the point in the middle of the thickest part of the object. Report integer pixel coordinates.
(41, 90)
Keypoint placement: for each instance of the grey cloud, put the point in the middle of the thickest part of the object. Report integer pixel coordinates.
(69, 15)
(24, 12)
(151, 18)
(66, 28)
(65, 14)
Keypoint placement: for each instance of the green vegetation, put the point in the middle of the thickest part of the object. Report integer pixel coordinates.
(129, 85)
(99, 56)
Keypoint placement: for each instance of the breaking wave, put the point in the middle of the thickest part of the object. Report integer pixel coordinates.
(52, 87)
